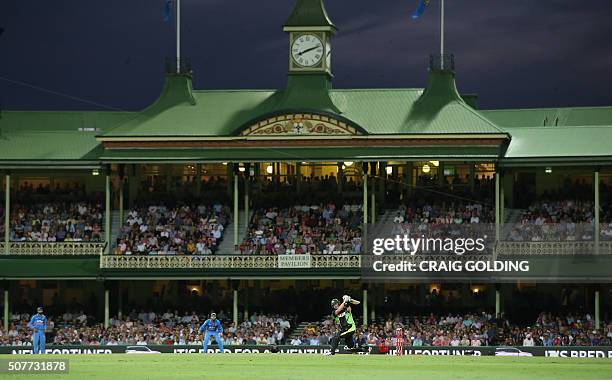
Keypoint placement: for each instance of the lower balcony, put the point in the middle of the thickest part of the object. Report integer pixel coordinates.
(548, 261)
(230, 262)
(553, 248)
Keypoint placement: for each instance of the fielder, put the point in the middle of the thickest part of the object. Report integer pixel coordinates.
(343, 316)
(213, 327)
(38, 323)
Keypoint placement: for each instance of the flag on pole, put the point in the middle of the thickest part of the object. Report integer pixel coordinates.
(423, 4)
(168, 5)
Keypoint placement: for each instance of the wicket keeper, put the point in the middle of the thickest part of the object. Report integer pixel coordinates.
(38, 323)
(342, 315)
(213, 327)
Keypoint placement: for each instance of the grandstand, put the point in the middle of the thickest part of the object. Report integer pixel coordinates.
(257, 203)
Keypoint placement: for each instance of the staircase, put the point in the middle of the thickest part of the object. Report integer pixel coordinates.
(512, 215)
(116, 224)
(299, 329)
(386, 218)
(227, 245)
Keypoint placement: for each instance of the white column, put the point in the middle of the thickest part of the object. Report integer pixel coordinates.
(442, 34)
(121, 206)
(236, 214)
(497, 207)
(365, 198)
(7, 212)
(107, 215)
(178, 36)
(502, 204)
(497, 302)
(119, 300)
(373, 201)
(6, 309)
(235, 310)
(596, 220)
(246, 200)
(374, 181)
(597, 311)
(106, 308)
(298, 177)
(472, 180)
(365, 307)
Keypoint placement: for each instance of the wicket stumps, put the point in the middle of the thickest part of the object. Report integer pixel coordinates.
(399, 341)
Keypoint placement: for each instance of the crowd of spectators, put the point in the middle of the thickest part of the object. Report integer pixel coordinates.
(173, 328)
(147, 328)
(555, 220)
(57, 221)
(452, 213)
(62, 212)
(29, 190)
(561, 220)
(316, 229)
(470, 330)
(162, 230)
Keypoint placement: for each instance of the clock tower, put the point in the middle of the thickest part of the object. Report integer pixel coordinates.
(310, 30)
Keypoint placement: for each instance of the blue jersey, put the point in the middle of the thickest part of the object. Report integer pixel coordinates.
(211, 326)
(38, 322)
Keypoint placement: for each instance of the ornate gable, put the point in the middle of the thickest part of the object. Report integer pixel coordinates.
(300, 124)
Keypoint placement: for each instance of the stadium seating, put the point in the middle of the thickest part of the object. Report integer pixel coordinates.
(475, 329)
(315, 229)
(146, 327)
(57, 221)
(161, 230)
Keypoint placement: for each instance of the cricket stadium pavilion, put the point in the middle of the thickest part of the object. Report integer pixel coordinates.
(245, 152)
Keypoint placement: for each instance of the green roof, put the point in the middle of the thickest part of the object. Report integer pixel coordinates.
(309, 13)
(534, 117)
(181, 112)
(556, 142)
(42, 136)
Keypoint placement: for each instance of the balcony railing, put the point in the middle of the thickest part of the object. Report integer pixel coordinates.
(553, 248)
(54, 249)
(262, 262)
(222, 262)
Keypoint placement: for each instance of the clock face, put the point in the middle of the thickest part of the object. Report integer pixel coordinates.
(307, 50)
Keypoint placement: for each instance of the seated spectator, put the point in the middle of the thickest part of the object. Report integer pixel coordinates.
(316, 229)
(57, 222)
(159, 230)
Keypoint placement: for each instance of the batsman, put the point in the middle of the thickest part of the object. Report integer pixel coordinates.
(343, 316)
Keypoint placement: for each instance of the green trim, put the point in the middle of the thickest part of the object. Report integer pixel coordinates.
(302, 154)
(61, 267)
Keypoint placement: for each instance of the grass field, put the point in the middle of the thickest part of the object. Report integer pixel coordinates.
(350, 367)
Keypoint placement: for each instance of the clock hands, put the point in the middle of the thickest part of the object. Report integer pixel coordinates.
(307, 50)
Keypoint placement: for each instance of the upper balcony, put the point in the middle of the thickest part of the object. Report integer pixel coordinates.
(53, 249)
(503, 248)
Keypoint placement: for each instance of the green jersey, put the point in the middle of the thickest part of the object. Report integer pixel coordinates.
(345, 319)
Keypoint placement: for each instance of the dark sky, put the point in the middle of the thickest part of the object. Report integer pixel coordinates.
(513, 53)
